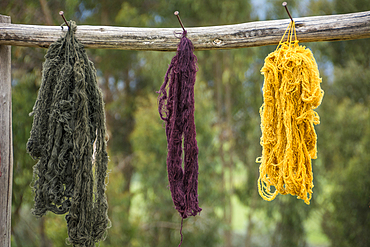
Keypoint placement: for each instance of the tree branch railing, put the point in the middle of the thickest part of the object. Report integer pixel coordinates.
(251, 34)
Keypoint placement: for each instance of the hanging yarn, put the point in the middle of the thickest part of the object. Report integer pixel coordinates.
(176, 108)
(291, 92)
(68, 139)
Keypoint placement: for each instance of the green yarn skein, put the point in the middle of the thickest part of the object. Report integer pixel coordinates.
(68, 139)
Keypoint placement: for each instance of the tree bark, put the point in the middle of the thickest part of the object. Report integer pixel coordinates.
(260, 33)
(6, 144)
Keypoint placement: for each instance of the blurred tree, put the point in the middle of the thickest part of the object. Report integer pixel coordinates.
(347, 214)
(228, 98)
(24, 93)
(345, 138)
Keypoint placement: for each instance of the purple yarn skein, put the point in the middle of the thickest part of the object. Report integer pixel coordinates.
(176, 108)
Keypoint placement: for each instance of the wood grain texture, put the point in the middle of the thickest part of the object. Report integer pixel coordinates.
(309, 29)
(6, 144)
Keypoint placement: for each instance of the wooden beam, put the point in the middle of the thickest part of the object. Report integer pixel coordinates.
(260, 33)
(6, 143)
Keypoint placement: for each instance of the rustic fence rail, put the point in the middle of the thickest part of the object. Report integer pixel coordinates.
(260, 33)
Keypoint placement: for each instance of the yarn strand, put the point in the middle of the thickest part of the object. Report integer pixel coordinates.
(176, 109)
(68, 139)
(291, 92)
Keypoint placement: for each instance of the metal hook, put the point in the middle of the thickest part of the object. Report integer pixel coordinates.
(286, 8)
(178, 17)
(61, 13)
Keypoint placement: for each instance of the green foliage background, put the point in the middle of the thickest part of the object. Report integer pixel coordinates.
(228, 97)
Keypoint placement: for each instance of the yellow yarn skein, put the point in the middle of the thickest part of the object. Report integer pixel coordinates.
(291, 91)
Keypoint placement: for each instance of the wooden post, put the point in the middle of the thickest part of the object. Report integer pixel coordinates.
(6, 143)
